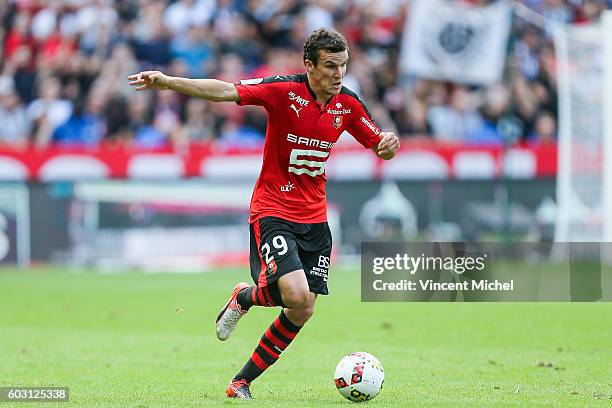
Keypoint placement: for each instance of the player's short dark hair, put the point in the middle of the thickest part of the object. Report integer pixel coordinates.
(323, 39)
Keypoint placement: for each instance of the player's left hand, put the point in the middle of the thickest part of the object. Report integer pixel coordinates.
(388, 145)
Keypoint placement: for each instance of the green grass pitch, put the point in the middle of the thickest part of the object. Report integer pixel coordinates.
(136, 340)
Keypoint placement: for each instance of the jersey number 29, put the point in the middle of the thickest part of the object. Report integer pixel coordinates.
(279, 243)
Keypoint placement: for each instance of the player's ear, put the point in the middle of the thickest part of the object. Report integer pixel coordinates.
(309, 65)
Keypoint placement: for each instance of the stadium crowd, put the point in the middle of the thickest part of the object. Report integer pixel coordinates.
(64, 64)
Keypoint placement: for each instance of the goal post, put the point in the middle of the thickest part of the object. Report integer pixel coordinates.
(605, 38)
(585, 151)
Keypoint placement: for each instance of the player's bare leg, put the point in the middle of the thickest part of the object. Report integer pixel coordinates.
(298, 299)
(299, 306)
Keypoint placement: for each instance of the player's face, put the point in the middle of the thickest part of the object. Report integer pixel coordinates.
(328, 73)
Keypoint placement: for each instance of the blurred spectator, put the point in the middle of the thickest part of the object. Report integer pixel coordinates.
(166, 117)
(590, 10)
(557, 10)
(277, 20)
(18, 39)
(496, 104)
(49, 110)
(199, 123)
(182, 15)
(142, 133)
(458, 121)
(46, 20)
(86, 126)
(14, 122)
(120, 64)
(195, 51)
(56, 49)
(151, 39)
(241, 41)
(545, 131)
(527, 50)
(279, 61)
(319, 13)
(19, 52)
(413, 120)
(97, 23)
(117, 118)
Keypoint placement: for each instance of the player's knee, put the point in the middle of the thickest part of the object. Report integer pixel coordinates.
(307, 310)
(295, 297)
(294, 289)
(301, 314)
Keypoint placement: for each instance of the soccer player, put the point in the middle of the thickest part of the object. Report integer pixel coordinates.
(290, 240)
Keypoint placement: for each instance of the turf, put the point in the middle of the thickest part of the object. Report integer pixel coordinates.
(136, 340)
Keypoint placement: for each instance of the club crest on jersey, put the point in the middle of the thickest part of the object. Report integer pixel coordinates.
(272, 267)
(337, 122)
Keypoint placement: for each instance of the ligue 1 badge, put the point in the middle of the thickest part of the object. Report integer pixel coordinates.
(337, 121)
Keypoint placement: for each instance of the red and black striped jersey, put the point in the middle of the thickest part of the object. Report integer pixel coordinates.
(299, 138)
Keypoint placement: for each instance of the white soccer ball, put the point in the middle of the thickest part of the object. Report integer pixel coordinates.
(359, 377)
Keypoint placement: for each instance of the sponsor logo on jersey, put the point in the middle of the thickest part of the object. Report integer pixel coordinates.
(338, 111)
(298, 99)
(370, 125)
(323, 144)
(253, 81)
(337, 122)
(297, 111)
(287, 187)
(322, 269)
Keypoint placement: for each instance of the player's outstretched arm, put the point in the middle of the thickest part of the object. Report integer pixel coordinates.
(388, 145)
(209, 89)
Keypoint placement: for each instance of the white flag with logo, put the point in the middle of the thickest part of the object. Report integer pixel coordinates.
(456, 42)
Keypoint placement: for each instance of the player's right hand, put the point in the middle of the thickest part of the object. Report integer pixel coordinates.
(149, 80)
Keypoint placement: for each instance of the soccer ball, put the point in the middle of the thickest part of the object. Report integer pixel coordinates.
(359, 377)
